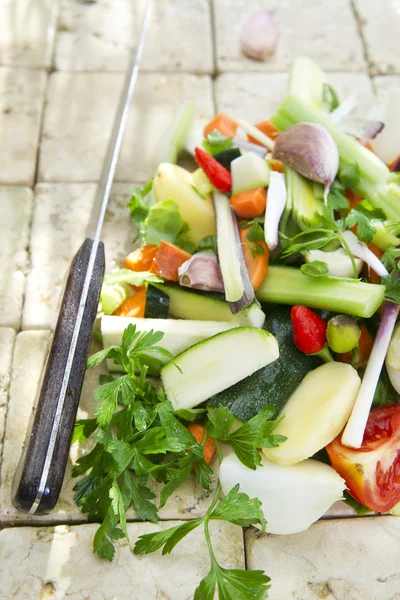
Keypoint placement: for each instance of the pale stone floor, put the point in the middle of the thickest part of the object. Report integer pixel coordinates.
(61, 71)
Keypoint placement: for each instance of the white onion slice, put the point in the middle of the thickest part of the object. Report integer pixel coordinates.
(362, 251)
(276, 203)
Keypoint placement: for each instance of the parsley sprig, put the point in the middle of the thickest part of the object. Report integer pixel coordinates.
(139, 438)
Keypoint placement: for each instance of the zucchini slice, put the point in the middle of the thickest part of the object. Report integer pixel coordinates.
(157, 304)
(217, 363)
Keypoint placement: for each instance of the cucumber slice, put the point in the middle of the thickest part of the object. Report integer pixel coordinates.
(202, 306)
(249, 171)
(178, 335)
(217, 363)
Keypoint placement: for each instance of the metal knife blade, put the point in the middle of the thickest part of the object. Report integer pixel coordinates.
(38, 479)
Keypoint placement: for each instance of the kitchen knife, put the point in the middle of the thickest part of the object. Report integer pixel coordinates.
(40, 472)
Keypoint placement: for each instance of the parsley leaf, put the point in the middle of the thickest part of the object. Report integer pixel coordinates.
(390, 258)
(138, 204)
(139, 495)
(216, 143)
(239, 509)
(350, 176)
(208, 243)
(101, 542)
(363, 215)
(392, 286)
(316, 268)
(256, 233)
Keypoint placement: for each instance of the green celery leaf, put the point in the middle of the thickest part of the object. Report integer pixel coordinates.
(151, 542)
(337, 200)
(138, 494)
(190, 414)
(136, 278)
(83, 429)
(118, 507)
(206, 587)
(164, 222)
(350, 176)
(208, 243)
(220, 422)
(239, 509)
(216, 142)
(363, 215)
(138, 205)
(392, 286)
(316, 268)
(234, 584)
(256, 233)
(329, 97)
(390, 257)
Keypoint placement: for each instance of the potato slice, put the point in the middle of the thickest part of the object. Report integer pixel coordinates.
(175, 183)
(316, 412)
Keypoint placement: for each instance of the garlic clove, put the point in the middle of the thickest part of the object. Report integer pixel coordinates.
(309, 149)
(259, 35)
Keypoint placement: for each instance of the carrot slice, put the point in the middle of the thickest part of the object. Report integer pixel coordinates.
(276, 165)
(197, 432)
(134, 305)
(167, 261)
(223, 124)
(268, 129)
(257, 263)
(142, 258)
(249, 204)
(353, 198)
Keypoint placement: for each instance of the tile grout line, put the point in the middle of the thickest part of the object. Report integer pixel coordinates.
(360, 30)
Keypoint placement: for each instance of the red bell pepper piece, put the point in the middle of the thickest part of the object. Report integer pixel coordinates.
(309, 330)
(216, 173)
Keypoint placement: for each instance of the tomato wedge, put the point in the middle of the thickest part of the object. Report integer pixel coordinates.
(372, 473)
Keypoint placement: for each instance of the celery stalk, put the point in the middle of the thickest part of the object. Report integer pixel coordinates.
(386, 234)
(306, 207)
(306, 80)
(286, 285)
(175, 137)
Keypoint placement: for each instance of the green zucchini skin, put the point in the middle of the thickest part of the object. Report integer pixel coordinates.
(227, 156)
(275, 383)
(157, 304)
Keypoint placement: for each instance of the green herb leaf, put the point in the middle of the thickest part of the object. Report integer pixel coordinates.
(239, 509)
(363, 215)
(329, 97)
(138, 495)
(83, 429)
(216, 143)
(136, 278)
(392, 286)
(350, 176)
(190, 414)
(358, 508)
(109, 395)
(234, 584)
(316, 268)
(118, 507)
(208, 243)
(101, 542)
(337, 200)
(256, 233)
(390, 258)
(138, 204)
(164, 222)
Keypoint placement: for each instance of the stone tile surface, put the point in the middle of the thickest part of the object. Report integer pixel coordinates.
(27, 32)
(305, 29)
(58, 562)
(79, 117)
(342, 559)
(7, 337)
(189, 502)
(255, 96)
(16, 211)
(21, 103)
(61, 215)
(100, 36)
(380, 25)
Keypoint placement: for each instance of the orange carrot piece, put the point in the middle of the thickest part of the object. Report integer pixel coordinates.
(276, 165)
(257, 265)
(353, 198)
(197, 432)
(167, 261)
(249, 204)
(268, 129)
(134, 305)
(393, 162)
(223, 124)
(142, 258)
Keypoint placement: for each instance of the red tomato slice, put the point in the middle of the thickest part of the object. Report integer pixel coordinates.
(372, 473)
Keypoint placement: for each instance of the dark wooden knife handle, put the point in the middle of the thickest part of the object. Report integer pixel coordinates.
(52, 421)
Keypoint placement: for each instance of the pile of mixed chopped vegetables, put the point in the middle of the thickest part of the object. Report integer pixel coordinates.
(264, 293)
